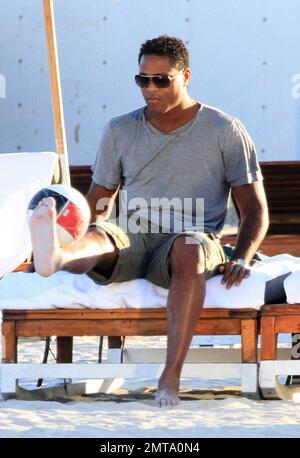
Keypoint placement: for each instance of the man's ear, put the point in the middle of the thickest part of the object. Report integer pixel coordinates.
(187, 76)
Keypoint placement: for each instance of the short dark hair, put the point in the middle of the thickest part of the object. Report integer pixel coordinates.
(164, 45)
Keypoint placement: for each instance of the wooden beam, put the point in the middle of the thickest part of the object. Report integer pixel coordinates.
(56, 95)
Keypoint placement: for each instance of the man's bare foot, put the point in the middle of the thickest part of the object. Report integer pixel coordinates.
(166, 397)
(46, 250)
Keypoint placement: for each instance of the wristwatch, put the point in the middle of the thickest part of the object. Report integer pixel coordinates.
(241, 262)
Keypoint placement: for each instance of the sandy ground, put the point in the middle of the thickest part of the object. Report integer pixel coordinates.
(214, 410)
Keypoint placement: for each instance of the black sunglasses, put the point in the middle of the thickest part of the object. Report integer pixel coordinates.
(160, 81)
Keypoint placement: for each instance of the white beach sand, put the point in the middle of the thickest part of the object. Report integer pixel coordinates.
(131, 413)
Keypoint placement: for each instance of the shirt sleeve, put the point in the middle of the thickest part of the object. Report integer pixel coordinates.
(107, 170)
(240, 159)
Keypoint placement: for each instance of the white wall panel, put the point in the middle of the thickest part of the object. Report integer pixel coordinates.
(243, 55)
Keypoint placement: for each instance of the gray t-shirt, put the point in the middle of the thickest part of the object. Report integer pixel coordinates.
(198, 162)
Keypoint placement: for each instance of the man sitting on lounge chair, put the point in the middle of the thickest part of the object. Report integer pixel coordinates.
(173, 164)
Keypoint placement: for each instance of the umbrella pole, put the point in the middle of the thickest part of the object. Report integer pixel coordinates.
(63, 174)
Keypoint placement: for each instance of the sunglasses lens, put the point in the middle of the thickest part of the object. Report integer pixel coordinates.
(142, 81)
(159, 81)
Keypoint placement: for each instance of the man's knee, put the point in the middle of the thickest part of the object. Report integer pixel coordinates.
(187, 257)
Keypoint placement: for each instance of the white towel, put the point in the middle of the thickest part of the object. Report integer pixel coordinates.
(292, 288)
(21, 176)
(66, 290)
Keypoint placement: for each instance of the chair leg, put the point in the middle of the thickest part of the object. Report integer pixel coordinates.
(64, 347)
(9, 342)
(268, 338)
(115, 341)
(249, 341)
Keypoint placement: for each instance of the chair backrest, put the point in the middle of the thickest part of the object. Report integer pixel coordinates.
(21, 176)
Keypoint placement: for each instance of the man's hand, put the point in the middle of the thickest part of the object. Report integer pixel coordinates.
(233, 273)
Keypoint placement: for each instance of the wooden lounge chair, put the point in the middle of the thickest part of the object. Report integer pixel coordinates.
(208, 363)
(276, 319)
